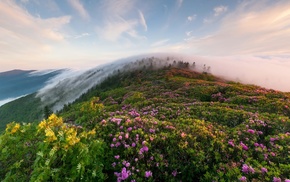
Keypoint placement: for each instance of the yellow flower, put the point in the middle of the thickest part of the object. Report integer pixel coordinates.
(92, 132)
(72, 138)
(50, 135)
(53, 120)
(15, 128)
(42, 125)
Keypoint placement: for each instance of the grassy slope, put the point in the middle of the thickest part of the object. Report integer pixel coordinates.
(179, 97)
(196, 127)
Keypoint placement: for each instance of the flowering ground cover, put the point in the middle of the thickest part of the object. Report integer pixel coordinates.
(170, 124)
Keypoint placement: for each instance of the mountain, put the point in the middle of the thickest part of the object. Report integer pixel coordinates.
(16, 83)
(165, 123)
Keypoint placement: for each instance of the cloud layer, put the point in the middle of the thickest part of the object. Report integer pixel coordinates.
(249, 31)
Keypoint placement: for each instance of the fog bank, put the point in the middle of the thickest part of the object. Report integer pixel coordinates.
(272, 73)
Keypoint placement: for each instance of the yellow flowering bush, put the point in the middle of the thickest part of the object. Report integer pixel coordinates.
(54, 150)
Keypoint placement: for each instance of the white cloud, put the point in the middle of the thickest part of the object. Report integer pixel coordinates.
(159, 43)
(82, 35)
(78, 6)
(188, 33)
(220, 10)
(117, 8)
(142, 20)
(25, 37)
(191, 18)
(114, 29)
(254, 28)
(121, 24)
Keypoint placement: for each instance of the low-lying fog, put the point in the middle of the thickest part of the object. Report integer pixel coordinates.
(273, 73)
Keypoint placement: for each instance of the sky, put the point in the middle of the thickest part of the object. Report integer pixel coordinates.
(49, 34)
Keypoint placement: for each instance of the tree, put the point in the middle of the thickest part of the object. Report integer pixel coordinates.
(47, 112)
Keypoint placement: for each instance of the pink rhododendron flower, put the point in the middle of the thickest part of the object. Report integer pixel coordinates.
(244, 147)
(264, 170)
(251, 131)
(276, 179)
(243, 178)
(148, 174)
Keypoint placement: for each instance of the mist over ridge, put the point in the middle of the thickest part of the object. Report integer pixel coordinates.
(71, 84)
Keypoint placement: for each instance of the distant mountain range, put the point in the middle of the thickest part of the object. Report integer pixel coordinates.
(16, 83)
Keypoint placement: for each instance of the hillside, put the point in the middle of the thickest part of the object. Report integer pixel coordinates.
(166, 124)
(16, 83)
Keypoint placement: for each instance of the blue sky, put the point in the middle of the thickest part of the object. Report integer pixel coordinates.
(44, 34)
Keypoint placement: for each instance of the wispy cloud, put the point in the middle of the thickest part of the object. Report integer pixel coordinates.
(252, 29)
(160, 43)
(188, 33)
(120, 25)
(24, 36)
(220, 10)
(114, 29)
(82, 35)
(78, 6)
(191, 18)
(142, 20)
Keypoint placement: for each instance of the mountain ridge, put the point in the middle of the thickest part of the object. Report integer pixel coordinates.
(165, 124)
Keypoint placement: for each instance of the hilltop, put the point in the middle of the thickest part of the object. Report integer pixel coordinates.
(170, 123)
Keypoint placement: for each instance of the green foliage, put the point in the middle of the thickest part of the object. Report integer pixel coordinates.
(50, 151)
(25, 109)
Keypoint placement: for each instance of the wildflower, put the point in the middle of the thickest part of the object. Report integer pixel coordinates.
(114, 139)
(133, 144)
(251, 131)
(127, 135)
(112, 145)
(117, 156)
(174, 173)
(148, 174)
(183, 134)
(145, 148)
(50, 134)
(117, 144)
(244, 147)
(264, 170)
(124, 174)
(120, 137)
(114, 164)
(231, 142)
(245, 168)
(243, 178)
(276, 179)
(129, 129)
(15, 128)
(256, 144)
(251, 170)
(287, 180)
(127, 164)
